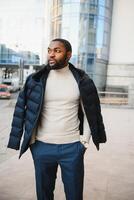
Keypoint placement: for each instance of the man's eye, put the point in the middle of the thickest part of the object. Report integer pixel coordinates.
(58, 51)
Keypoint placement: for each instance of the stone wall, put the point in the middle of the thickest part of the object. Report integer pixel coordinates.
(120, 76)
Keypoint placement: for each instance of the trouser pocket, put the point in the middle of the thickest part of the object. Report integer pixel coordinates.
(82, 147)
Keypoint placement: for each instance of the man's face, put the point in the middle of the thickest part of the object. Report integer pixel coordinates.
(57, 55)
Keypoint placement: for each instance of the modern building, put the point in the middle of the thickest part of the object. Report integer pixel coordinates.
(14, 63)
(12, 58)
(100, 31)
(22, 34)
(87, 25)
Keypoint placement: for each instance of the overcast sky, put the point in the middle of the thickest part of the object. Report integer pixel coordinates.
(21, 24)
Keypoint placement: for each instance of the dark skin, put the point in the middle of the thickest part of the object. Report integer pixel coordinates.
(58, 56)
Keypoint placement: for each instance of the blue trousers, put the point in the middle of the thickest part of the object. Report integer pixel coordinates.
(69, 157)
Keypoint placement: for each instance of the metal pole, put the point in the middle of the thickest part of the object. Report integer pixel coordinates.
(21, 67)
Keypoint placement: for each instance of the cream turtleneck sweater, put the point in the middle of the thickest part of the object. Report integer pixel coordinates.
(60, 123)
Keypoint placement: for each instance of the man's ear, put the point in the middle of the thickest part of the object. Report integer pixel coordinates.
(69, 54)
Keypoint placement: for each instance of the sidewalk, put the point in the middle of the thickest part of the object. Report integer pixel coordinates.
(109, 173)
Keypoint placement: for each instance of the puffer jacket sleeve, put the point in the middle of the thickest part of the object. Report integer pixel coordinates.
(18, 120)
(100, 125)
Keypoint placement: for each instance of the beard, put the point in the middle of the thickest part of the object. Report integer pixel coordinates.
(58, 64)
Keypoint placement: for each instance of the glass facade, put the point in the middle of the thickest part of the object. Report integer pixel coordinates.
(56, 16)
(87, 35)
(65, 23)
(11, 57)
(103, 32)
(103, 28)
(87, 25)
(94, 34)
(8, 56)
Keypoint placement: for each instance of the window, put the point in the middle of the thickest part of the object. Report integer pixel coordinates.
(91, 37)
(92, 21)
(102, 2)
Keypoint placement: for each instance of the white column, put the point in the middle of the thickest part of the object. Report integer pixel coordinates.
(121, 60)
(122, 33)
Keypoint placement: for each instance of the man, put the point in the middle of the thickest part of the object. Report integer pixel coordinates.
(57, 105)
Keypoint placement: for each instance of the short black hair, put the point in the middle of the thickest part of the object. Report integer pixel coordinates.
(66, 43)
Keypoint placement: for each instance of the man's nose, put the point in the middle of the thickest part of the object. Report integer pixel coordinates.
(51, 54)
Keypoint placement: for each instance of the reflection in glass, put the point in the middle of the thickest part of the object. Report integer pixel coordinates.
(87, 25)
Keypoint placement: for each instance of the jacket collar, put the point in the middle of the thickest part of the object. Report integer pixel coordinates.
(78, 73)
(38, 75)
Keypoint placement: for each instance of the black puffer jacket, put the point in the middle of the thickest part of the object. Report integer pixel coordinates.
(29, 106)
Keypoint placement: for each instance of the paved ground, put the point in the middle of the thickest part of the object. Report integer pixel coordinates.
(109, 173)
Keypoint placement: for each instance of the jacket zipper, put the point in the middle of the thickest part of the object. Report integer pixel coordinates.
(42, 97)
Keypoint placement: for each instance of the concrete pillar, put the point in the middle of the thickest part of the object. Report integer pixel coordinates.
(121, 58)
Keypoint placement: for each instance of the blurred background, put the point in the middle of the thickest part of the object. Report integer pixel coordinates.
(100, 31)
